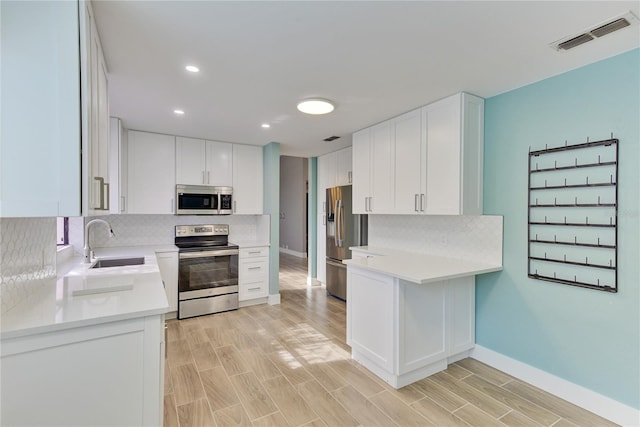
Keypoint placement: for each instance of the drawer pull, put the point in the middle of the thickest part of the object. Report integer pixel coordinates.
(254, 289)
(255, 268)
(254, 252)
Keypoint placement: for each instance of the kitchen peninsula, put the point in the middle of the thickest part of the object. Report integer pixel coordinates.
(409, 315)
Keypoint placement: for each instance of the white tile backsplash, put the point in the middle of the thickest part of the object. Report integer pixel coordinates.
(138, 230)
(468, 237)
(27, 258)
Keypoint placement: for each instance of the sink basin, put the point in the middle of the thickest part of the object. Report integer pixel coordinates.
(118, 262)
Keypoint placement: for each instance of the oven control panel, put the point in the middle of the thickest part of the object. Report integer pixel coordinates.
(202, 230)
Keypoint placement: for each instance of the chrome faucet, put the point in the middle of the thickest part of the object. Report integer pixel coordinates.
(87, 248)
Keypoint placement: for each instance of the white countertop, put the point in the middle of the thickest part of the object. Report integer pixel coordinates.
(418, 268)
(84, 296)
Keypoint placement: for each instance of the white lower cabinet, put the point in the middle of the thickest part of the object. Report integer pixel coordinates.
(253, 275)
(404, 331)
(106, 374)
(168, 265)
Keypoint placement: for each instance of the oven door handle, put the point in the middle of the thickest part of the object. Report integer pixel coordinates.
(208, 254)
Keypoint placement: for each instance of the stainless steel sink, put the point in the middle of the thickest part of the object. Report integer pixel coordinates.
(118, 262)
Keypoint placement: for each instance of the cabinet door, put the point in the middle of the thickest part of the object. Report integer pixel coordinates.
(99, 186)
(323, 183)
(443, 187)
(190, 161)
(382, 169)
(219, 164)
(116, 165)
(247, 179)
(151, 173)
(407, 135)
(344, 176)
(40, 141)
(361, 152)
(371, 305)
(168, 266)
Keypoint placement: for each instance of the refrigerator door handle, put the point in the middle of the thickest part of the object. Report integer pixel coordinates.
(339, 223)
(336, 222)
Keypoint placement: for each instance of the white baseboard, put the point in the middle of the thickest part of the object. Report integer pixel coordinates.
(294, 253)
(274, 299)
(313, 282)
(590, 400)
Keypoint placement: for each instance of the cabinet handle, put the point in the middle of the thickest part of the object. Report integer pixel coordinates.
(254, 268)
(108, 196)
(122, 204)
(370, 200)
(208, 177)
(254, 289)
(234, 206)
(203, 181)
(172, 206)
(99, 205)
(254, 252)
(350, 177)
(415, 203)
(422, 202)
(324, 220)
(324, 206)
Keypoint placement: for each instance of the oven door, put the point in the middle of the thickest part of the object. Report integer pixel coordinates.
(207, 273)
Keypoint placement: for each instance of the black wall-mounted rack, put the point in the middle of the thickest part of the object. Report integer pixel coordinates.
(573, 214)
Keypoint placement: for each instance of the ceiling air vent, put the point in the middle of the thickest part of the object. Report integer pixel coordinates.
(576, 41)
(616, 25)
(602, 29)
(331, 138)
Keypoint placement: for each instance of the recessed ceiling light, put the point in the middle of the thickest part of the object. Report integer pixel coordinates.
(179, 112)
(192, 68)
(315, 106)
(266, 125)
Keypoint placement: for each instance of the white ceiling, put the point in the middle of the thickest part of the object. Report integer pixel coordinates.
(374, 59)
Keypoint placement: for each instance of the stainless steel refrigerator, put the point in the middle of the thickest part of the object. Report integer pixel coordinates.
(344, 229)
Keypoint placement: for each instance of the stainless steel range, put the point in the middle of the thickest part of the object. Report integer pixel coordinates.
(208, 270)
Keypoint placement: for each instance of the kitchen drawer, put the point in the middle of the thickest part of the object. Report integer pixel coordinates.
(262, 251)
(253, 270)
(252, 290)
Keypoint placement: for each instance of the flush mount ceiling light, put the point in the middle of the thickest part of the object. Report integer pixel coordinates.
(315, 106)
(192, 68)
(266, 125)
(178, 112)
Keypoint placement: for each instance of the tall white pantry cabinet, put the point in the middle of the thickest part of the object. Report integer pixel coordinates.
(47, 48)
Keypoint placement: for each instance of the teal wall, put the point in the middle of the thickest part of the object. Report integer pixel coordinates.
(271, 164)
(588, 337)
(312, 215)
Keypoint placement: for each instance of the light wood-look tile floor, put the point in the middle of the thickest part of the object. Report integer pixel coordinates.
(289, 365)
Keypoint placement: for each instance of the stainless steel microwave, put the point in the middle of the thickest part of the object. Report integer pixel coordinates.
(203, 200)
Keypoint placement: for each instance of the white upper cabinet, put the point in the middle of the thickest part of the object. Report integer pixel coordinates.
(426, 161)
(345, 169)
(247, 179)
(361, 146)
(373, 178)
(42, 117)
(408, 161)
(151, 179)
(454, 129)
(117, 166)
(200, 162)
